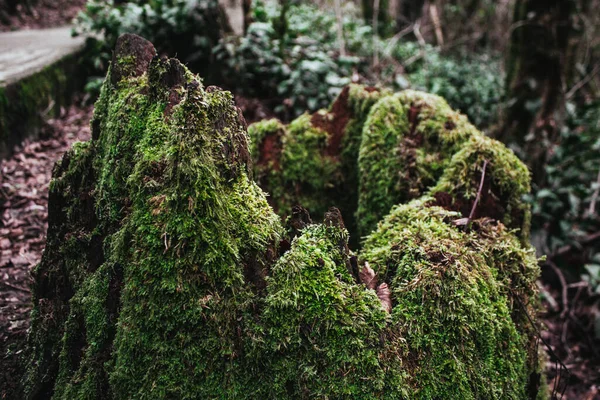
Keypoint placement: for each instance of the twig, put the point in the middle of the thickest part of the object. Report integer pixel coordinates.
(375, 33)
(422, 43)
(582, 83)
(592, 209)
(340, 27)
(20, 289)
(436, 23)
(564, 288)
(547, 296)
(472, 214)
(418, 35)
(567, 248)
(394, 39)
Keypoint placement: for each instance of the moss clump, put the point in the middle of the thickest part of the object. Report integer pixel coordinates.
(323, 330)
(454, 294)
(506, 182)
(165, 275)
(314, 160)
(407, 142)
(157, 244)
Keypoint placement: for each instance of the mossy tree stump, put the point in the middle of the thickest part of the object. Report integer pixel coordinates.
(168, 275)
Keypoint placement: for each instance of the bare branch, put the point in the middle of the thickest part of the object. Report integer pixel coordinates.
(340, 27)
(472, 214)
(592, 209)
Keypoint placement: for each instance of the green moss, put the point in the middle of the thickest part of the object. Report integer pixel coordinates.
(507, 182)
(162, 278)
(453, 302)
(170, 228)
(316, 162)
(323, 330)
(407, 141)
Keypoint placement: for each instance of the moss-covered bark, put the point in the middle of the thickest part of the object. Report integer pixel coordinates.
(156, 246)
(458, 293)
(391, 148)
(168, 275)
(314, 160)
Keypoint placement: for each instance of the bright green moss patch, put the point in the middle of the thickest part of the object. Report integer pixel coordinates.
(454, 305)
(156, 249)
(506, 182)
(313, 161)
(407, 141)
(324, 330)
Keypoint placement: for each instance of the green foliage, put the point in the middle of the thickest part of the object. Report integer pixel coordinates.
(473, 84)
(188, 28)
(572, 180)
(298, 68)
(303, 67)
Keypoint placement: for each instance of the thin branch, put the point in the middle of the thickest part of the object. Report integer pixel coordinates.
(340, 27)
(564, 288)
(582, 82)
(472, 214)
(422, 43)
(418, 35)
(436, 23)
(20, 289)
(568, 248)
(375, 33)
(592, 209)
(394, 39)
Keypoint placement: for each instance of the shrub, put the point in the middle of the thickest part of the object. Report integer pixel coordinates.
(188, 28)
(572, 185)
(473, 84)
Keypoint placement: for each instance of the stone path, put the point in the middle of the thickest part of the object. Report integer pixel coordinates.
(24, 53)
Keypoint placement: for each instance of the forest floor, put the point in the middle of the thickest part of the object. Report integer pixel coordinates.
(23, 221)
(46, 14)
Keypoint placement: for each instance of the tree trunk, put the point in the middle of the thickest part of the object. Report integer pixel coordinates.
(537, 71)
(383, 16)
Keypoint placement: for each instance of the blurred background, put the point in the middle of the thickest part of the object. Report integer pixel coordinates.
(526, 72)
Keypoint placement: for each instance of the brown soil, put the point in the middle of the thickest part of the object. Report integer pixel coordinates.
(45, 14)
(23, 222)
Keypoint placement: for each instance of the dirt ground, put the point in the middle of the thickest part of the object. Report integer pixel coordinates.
(46, 14)
(24, 184)
(568, 316)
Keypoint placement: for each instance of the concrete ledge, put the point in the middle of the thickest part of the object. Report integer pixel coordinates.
(38, 76)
